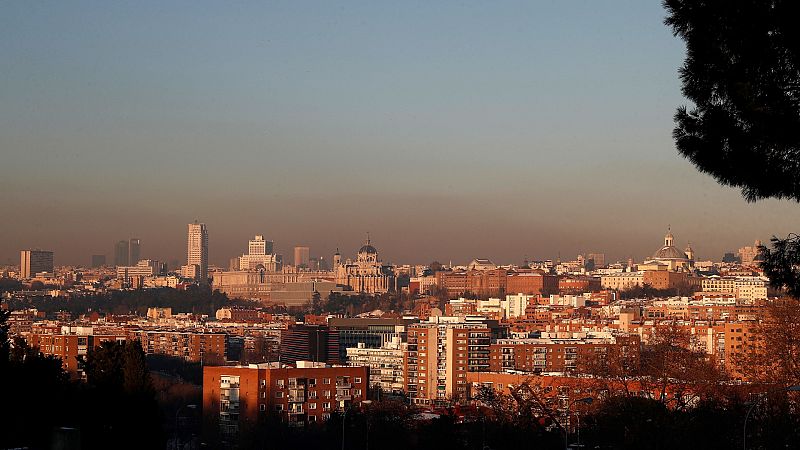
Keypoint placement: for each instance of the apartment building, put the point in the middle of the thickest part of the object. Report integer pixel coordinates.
(189, 345)
(441, 351)
(560, 352)
(385, 364)
(239, 399)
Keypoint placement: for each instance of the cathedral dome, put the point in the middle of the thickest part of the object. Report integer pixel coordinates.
(368, 249)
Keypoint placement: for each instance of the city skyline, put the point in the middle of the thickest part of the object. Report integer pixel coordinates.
(287, 250)
(352, 120)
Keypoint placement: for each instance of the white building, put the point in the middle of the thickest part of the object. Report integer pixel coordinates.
(385, 364)
(196, 253)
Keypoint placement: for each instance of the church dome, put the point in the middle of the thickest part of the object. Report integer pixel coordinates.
(669, 252)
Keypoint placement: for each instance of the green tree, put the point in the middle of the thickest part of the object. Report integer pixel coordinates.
(742, 73)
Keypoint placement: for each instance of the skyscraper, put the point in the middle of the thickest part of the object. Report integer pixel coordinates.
(197, 253)
(121, 253)
(134, 251)
(98, 260)
(301, 256)
(32, 262)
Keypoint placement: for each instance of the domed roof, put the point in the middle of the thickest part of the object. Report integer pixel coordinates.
(366, 248)
(669, 252)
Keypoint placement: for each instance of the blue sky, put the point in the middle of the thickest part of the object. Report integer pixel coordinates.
(449, 130)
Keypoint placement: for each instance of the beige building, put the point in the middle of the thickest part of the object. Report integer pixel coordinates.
(385, 364)
(259, 256)
(622, 280)
(745, 288)
(366, 274)
(748, 254)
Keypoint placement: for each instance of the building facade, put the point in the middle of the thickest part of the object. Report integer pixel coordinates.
(238, 400)
(367, 273)
(196, 266)
(35, 261)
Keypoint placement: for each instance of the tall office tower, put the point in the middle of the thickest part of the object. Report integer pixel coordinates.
(32, 262)
(197, 251)
(98, 260)
(301, 256)
(121, 253)
(134, 253)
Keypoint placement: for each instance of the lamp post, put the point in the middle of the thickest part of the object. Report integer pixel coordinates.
(344, 418)
(588, 401)
(366, 404)
(761, 396)
(177, 430)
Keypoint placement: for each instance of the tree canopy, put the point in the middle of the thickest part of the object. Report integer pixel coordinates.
(742, 72)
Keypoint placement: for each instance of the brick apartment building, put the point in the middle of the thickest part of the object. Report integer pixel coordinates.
(239, 399)
(70, 346)
(191, 346)
(441, 352)
(559, 354)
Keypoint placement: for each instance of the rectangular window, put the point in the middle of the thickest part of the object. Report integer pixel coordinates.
(357, 380)
(326, 381)
(262, 407)
(279, 394)
(312, 406)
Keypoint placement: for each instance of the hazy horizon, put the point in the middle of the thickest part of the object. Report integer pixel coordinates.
(448, 131)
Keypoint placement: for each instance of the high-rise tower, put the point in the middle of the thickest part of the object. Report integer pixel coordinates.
(134, 251)
(121, 254)
(197, 252)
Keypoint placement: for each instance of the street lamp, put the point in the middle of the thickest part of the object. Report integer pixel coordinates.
(588, 401)
(177, 430)
(761, 396)
(344, 418)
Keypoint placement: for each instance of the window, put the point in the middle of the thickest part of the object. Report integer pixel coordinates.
(327, 394)
(326, 407)
(326, 381)
(357, 392)
(312, 382)
(357, 380)
(280, 384)
(264, 395)
(279, 394)
(278, 407)
(263, 383)
(312, 419)
(312, 406)
(262, 407)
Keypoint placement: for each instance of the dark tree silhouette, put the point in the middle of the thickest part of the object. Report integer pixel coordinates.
(742, 72)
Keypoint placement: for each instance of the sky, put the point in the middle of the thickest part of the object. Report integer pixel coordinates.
(448, 130)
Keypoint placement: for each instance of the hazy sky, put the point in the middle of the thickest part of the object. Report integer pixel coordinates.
(448, 130)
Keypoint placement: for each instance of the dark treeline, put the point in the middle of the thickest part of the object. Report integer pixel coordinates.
(197, 300)
(42, 407)
(621, 422)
